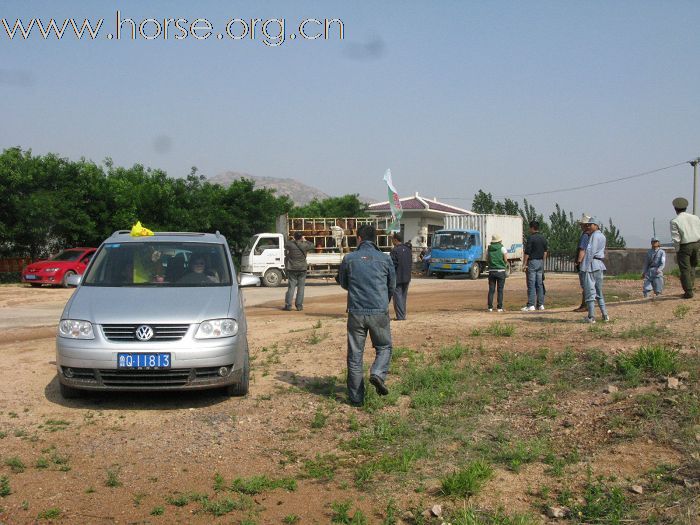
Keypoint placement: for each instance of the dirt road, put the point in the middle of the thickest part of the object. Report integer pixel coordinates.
(174, 458)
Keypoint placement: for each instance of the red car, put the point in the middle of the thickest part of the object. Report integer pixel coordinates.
(57, 269)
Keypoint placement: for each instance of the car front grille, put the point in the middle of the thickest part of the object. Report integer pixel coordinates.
(150, 379)
(162, 332)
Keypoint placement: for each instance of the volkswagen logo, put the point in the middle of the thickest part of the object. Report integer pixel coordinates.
(144, 332)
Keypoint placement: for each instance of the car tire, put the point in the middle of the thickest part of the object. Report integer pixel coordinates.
(474, 271)
(272, 278)
(64, 281)
(240, 389)
(68, 392)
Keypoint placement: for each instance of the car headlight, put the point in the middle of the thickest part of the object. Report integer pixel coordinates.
(75, 329)
(217, 328)
(48, 270)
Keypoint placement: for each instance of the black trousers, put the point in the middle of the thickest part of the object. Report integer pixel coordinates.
(496, 279)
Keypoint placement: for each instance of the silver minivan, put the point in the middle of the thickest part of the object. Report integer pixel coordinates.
(162, 312)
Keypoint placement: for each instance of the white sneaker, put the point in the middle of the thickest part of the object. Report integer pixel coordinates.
(501, 310)
(540, 307)
(589, 320)
(606, 318)
(490, 309)
(527, 309)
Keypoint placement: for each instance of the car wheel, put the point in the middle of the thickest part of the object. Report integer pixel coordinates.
(272, 278)
(241, 388)
(64, 281)
(474, 271)
(68, 392)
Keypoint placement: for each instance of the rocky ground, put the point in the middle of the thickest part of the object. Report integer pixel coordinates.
(503, 418)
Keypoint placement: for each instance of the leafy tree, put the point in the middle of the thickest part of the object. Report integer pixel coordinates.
(613, 237)
(345, 206)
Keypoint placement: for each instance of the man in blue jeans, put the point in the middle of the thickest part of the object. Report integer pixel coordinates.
(369, 277)
(535, 254)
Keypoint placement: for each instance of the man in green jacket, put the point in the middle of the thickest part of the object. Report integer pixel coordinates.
(497, 260)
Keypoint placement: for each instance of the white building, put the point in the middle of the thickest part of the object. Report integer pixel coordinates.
(421, 217)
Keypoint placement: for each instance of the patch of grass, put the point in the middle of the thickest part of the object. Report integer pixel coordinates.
(219, 482)
(467, 481)
(543, 405)
(341, 514)
(41, 463)
(501, 330)
(291, 519)
(429, 386)
(323, 467)
(319, 420)
(601, 504)
(520, 368)
(655, 359)
(476, 332)
(390, 513)
(258, 484)
(178, 500)
(5, 489)
(158, 511)
(15, 464)
(3, 435)
(680, 311)
(470, 516)
(49, 514)
(454, 353)
(113, 477)
(629, 276)
(385, 430)
(646, 331)
(316, 338)
(53, 425)
(517, 453)
(223, 506)
(317, 325)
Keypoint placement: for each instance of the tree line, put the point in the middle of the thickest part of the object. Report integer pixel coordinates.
(562, 231)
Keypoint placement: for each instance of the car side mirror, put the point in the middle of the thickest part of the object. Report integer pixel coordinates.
(246, 279)
(74, 280)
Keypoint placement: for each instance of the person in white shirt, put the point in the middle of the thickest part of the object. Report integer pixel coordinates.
(685, 234)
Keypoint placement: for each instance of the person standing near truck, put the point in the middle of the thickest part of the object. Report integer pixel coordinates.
(295, 265)
(402, 257)
(368, 276)
(535, 254)
(685, 234)
(497, 261)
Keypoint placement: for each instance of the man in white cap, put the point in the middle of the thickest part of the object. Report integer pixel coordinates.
(685, 234)
(593, 267)
(497, 259)
(581, 248)
(653, 270)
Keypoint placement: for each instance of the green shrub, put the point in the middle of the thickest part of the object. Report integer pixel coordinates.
(655, 359)
(467, 481)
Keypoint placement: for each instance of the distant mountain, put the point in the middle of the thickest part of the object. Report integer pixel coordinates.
(300, 193)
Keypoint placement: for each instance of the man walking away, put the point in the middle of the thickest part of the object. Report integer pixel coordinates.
(497, 260)
(653, 271)
(402, 257)
(685, 234)
(295, 264)
(593, 267)
(368, 276)
(582, 243)
(535, 255)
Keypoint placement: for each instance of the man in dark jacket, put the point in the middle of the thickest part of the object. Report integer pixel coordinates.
(295, 264)
(402, 257)
(368, 276)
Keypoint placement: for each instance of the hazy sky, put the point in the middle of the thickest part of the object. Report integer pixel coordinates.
(453, 96)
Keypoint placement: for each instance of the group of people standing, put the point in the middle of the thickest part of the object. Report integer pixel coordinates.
(373, 279)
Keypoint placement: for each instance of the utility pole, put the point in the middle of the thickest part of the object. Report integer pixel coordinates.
(694, 164)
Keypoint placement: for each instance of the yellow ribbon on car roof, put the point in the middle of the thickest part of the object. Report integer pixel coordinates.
(137, 230)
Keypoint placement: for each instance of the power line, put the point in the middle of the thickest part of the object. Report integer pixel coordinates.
(584, 186)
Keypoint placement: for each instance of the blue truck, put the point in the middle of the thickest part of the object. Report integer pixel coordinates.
(461, 246)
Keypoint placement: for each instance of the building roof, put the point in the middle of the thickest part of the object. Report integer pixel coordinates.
(416, 202)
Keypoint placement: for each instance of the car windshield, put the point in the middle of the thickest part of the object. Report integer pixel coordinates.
(68, 255)
(452, 241)
(162, 264)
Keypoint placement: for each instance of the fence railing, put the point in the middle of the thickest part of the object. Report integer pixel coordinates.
(560, 264)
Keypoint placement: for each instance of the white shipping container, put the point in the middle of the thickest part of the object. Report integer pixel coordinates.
(509, 227)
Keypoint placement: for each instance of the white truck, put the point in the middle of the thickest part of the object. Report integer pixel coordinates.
(332, 238)
(461, 246)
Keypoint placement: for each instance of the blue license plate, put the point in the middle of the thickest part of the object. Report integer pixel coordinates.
(143, 361)
(30, 277)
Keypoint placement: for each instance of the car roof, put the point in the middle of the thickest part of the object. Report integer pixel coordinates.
(125, 236)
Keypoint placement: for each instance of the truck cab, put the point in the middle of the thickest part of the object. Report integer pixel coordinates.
(264, 257)
(456, 252)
